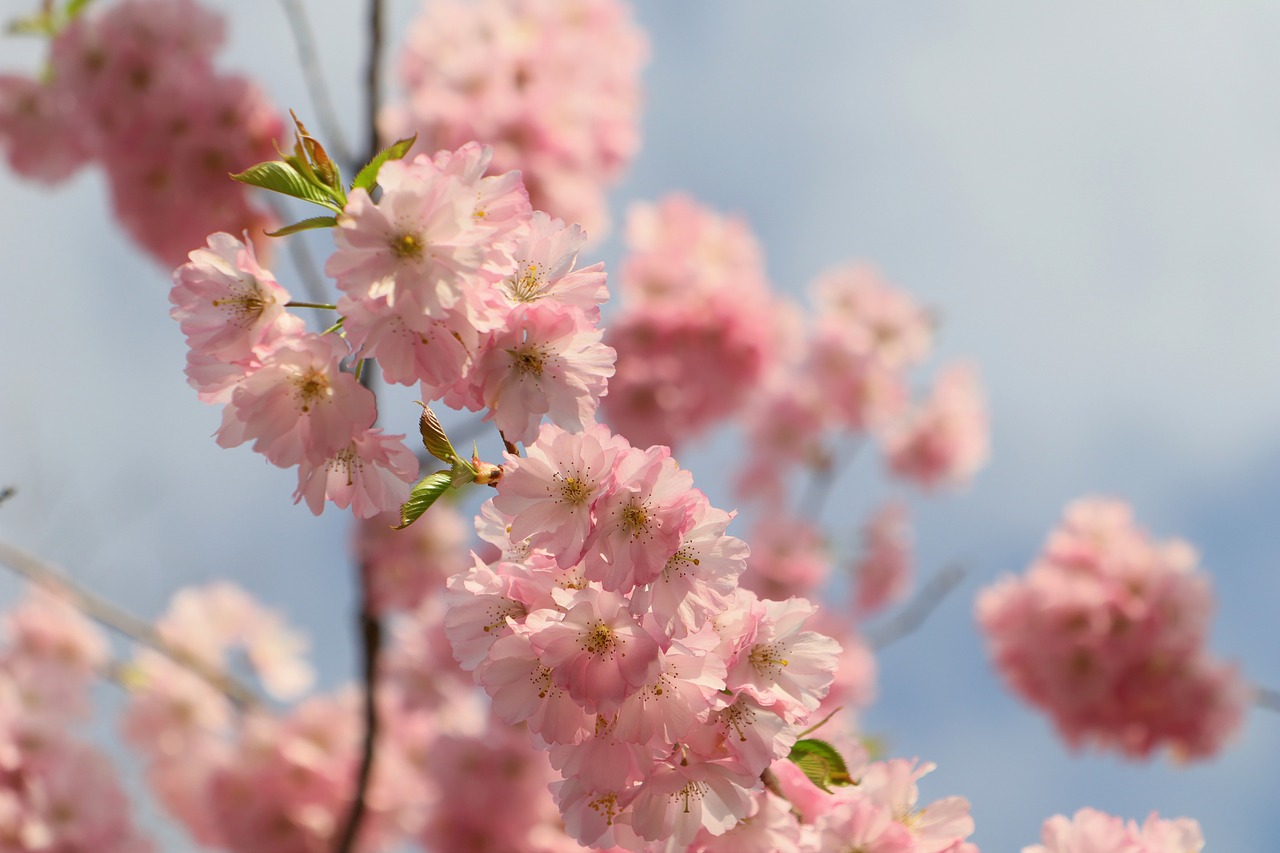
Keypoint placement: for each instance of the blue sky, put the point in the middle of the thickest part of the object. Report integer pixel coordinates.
(1088, 193)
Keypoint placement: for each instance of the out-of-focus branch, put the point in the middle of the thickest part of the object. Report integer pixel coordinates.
(100, 610)
(309, 59)
(815, 499)
(371, 644)
(1265, 697)
(918, 609)
(6, 493)
(373, 80)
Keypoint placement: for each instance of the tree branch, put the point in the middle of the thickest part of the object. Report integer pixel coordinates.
(309, 59)
(373, 80)
(918, 609)
(371, 643)
(117, 619)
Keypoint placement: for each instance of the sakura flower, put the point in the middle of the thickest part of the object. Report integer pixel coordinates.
(546, 255)
(547, 361)
(370, 475)
(944, 441)
(781, 665)
(1091, 830)
(224, 301)
(40, 133)
(298, 404)
(595, 649)
(682, 799)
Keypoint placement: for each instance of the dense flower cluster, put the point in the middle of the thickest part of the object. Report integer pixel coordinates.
(553, 86)
(847, 375)
(1106, 632)
(612, 626)
(133, 87)
(56, 793)
(1091, 831)
(699, 326)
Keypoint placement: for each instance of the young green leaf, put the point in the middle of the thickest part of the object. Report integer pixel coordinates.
(427, 492)
(434, 437)
(283, 178)
(461, 473)
(367, 177)
(305, 225)
(821, 763)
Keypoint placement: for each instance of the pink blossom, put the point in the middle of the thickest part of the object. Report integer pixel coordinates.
(298, 404)
(595, 649)
(224, 301)
(770, 828)
(40, 132)
(372, 474)
(547, 361)
(549, 493)
(402, 567)
(545, 255)
(878, 320)
(553, 88)
(1106, 633)
(682, 799)
(858, 823)
(882, 574)
(1092, 831)
(788, 558)
(945, 440)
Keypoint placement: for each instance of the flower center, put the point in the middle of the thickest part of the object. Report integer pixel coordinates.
(312, 387)
(406, 246)
(767, 659)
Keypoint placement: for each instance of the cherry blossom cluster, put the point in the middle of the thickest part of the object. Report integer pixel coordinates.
(881, 812)
(449, 280)
(612, 626)
(1092, 831)
(699, 326)
(56, 793)
(133, 87)
(848, 374)
(1106, 632)
(553, 86)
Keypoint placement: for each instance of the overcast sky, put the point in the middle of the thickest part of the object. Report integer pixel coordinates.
(1088, 193)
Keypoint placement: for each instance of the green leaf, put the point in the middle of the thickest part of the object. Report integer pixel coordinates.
(427, 492)
(280, 177)
(434, 437)
(821, 763)
(305, 225)
(368, 176)
(462, 473)
(74, 8)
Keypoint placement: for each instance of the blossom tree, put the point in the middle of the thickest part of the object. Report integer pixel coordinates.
(605, 664)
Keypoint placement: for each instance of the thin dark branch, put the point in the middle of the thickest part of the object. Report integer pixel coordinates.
(6, 493)
(308, 270)
(45, 576)
(371, 643)
(1265, 697)
(304, 39)
(811, 505)
(918, 609)
(373, 80)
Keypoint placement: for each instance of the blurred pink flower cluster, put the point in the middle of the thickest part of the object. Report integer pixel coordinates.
(133, 88)
(56, 793)
(1091, 831)
(1106, 632)
(553, 86)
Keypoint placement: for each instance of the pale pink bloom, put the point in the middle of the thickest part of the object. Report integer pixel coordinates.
(855, 679)
(770, 828)
(216, 380)
(753, 735)
(171, 711)
(51, 655)
(224, 301)
(935, 827)
(861, 392)
(410, 346)
(606, 759)
(549, 493)
(692, 795)
(596, 817)
(371, 475)
(595, 649)
(548, 361)
(523, 691)
(402, 567)
(785, 427)
(40, 133)
(481, 601)
(1106, 632)
(804, 796)
(1092, 831)
(666, 710)
(945, 441)
(298, 404)
(857, 823)
(698, 580)
(546, 254)
(553, 87)
(781, 666)
(418, 247)
(878, 319)
(641, 520)
(882, 574)
(788, 558)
